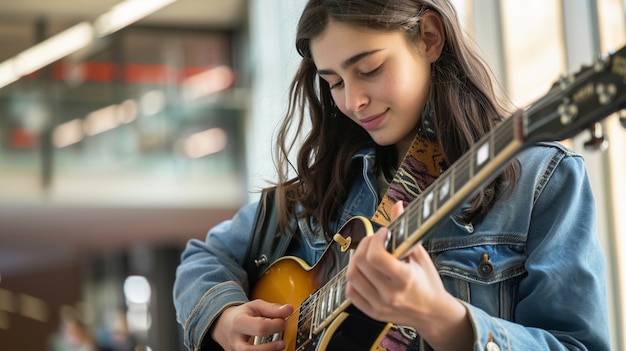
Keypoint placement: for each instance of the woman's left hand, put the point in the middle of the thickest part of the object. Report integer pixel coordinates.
(404, 291)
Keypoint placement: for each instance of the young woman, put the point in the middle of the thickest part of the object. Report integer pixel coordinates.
(395, 95)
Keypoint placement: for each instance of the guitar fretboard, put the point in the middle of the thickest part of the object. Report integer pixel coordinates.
(321, 307)
(457, 183)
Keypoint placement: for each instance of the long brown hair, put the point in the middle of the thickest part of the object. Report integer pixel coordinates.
(462, 95)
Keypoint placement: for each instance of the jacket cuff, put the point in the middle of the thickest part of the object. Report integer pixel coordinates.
(489, 334)
(210, 306)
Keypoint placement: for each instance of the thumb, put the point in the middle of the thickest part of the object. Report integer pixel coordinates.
(272, 310)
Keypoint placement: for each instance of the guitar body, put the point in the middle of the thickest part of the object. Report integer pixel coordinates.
(290, 280)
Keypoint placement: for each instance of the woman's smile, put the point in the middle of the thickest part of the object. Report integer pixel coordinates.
(371, 122)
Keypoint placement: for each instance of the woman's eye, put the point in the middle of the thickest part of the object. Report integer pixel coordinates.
(335, 85)
(372, 72)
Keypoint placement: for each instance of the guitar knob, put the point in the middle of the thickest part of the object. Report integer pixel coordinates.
(261, 261)
(597, 139)
(343, 242)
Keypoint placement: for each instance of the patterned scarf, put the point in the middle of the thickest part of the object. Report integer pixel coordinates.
(422, 164)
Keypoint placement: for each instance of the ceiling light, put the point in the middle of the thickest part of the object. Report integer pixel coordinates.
(53, 49)
(125, 13)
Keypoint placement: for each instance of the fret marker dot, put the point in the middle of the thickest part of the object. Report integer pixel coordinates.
(482, 155)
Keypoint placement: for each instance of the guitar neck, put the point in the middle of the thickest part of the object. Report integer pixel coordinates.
(476, 167)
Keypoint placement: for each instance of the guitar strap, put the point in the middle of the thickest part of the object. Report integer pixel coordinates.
(267, 245)
(421, 165)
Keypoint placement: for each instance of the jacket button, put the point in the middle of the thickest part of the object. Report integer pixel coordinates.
(492, 346)
(485, 267)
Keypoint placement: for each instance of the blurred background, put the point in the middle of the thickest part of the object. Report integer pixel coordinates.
(130, 127)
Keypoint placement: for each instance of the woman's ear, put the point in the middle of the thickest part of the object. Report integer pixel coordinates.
(433, 35)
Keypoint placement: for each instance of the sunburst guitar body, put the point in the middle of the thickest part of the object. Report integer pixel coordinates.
(319, 322)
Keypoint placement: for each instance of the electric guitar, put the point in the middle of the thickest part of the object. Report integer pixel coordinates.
(324, 318)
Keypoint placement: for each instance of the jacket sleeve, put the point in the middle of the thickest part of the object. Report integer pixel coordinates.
(210, 277)
(563, 299)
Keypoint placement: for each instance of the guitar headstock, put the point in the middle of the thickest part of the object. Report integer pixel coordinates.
(577, 101)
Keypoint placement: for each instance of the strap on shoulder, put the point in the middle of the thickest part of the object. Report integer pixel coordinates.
(266, 244)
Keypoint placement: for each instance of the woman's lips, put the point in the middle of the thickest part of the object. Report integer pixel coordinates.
(373, 121)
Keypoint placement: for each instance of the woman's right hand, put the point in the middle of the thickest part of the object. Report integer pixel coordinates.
(236, 325)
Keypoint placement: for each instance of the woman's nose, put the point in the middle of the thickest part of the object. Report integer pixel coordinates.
(356, 97)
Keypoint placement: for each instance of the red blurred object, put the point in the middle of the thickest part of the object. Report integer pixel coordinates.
(22, 138)
(141, 73)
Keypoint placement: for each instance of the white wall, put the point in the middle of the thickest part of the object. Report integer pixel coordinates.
(273, 63)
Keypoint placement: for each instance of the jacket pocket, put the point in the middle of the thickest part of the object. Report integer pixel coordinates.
(484, 271)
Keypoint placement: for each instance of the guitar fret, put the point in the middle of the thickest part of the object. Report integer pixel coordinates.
(418, 215)
(444, 190)
(341, 292)
(399, 234)
(453, 183)
(502, 140)
(462, 175)
(316, 319)
(329, 298)
(322, 309)
(390, 242)
(397, 231)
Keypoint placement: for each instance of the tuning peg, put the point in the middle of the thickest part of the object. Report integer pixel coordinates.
(601, 62)
(606, 93)
(566, 80)
(597, 139)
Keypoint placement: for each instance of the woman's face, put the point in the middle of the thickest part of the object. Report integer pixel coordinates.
(376, 79)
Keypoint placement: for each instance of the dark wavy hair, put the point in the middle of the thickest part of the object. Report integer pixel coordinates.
(462, 94)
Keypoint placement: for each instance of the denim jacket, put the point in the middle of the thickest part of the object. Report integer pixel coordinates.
(531, 274)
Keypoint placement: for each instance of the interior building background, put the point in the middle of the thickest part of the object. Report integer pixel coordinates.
(115, 153)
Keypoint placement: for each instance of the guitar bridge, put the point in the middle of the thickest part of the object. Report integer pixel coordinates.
(260, 340)
(306, 340)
